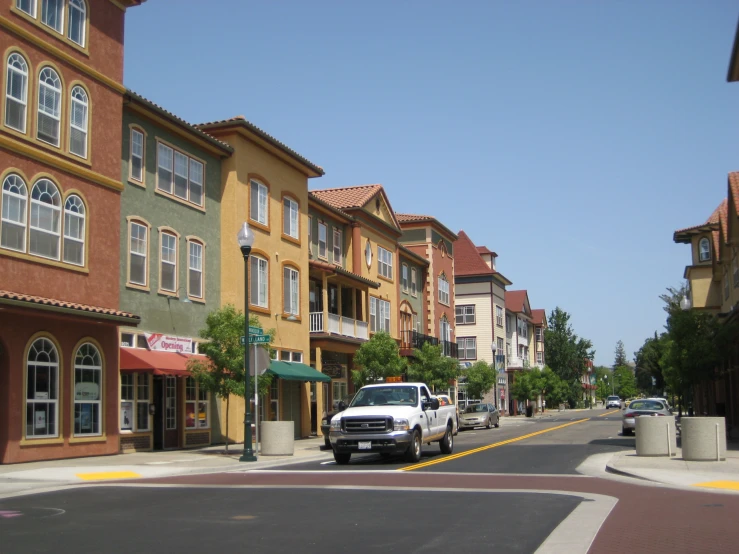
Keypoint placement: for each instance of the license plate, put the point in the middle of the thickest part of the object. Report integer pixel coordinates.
(365, 445)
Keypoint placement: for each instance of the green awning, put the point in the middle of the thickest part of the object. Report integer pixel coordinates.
(295, 371)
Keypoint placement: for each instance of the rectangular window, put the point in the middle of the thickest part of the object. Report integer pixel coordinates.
(290, 217)
(384, 262)
(196, 405)
(88, 375)
(414, 282)
(379, 315)
(52, 14)
(259, 275)
(42, 395)
(539, 333)
(404, 277)
(28, 6)
(126, 386)
(137, 155)
(142, 401)
(467, 348)
(258, 203)
(337, 246)
(168, 258)
(180, 175)
(443, 290)
(540, 357)
(137, 254)
(322, 240)
(195, 270)
(170, 414)
(465, 315)
(499, 316)
(500, 346)
(310, 235)
(165, 171)
(196, 182)
(291, 296)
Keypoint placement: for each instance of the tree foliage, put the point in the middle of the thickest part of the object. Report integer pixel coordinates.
(566, 352)
(480, 379)
(528, 385)
(430, 366)
(620, 355)
(625, 381)
(525, 385)
(650, 359)
(378, 358)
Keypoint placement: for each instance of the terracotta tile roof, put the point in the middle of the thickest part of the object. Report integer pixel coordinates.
(514, 300)
(734, 188)
(347, 197)
(332, 268)
(241, 120)
(539, 317)
(178, 120)
(413, 217)
(467, 260)
(16, 297)
(711, 224)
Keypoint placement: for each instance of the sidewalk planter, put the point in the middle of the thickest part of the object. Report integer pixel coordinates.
(703, 439)
(277, 438)
(656, 436)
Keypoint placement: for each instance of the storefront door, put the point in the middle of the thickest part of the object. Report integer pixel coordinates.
(158, 419)
(171, 427)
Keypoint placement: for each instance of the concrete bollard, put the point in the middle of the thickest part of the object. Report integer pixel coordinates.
(703, 439)
(656, 436)
(277, 438)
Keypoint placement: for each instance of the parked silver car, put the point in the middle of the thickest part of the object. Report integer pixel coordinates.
(479, 415)
(642, 408)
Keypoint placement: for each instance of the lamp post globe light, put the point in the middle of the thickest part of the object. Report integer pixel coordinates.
(245, 238)
(685, 303)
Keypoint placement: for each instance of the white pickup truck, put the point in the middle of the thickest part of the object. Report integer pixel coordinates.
(392, 418)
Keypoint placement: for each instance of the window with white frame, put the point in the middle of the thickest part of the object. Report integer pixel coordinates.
(414, 282)
(28, 6)
(16, 92)
(291, 291)
(170, 402)
(445, 330)
(384, 262)
(52, 14)
(259, 277)
(500, 346)
(540, 357)
(443, 290)
(508, 349)
(49, 106)
(539, 334)
(78, 122)
(138, 254)
(404, 277)
(165, 168)
(195, 269)
(322, 240)
(137, 155)
(74, 230)
(379, 315)
(465, 315)
(704, 250)
(46, 208)
(196, 405)
(88, 386)
(337, 246)
(179, 174)
(522, 329)
(135, 401)
(14, 212)
(143, 398)
(467, 348)
(499, 316)
(76, 21)
(290, 217)
(258, 209)
(168, 262)
(42, 390)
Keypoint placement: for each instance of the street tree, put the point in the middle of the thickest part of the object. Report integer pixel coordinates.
(378, 358)
(432, 367)
(620, 358)
(223, 372)
(566, 352)
(480, 379)
(526, 386)
(649, 358)
(625, 381)
(554, 389)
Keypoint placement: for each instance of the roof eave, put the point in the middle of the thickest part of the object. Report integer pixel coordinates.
(413, 256)
(128, 320)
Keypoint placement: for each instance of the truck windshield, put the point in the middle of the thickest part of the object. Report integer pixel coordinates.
(391, 395)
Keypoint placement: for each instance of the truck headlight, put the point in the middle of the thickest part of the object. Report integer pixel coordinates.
(400, 424)
(336, 424)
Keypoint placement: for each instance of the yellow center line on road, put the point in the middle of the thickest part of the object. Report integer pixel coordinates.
(607, 413)
(488, 447)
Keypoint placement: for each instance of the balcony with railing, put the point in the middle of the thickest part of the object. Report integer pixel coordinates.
(515, 362)
(411, 340)
(338, 325)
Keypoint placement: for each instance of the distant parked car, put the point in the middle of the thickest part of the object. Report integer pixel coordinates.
(613, 402)
(479, 415)
(642, 408)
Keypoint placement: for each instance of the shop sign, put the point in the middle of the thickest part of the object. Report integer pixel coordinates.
(167, 343)
(87, 391)
(335, 371)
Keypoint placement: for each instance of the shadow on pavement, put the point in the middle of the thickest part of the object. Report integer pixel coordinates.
(621, 442)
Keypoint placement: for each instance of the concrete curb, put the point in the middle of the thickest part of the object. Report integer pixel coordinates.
(622, 473)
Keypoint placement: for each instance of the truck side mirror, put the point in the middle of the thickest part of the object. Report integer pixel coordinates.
(433, 404)
(342, 405)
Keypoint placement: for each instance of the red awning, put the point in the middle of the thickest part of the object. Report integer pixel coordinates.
(158, 363)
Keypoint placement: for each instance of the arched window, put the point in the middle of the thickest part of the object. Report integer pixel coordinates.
(16, 93)
(704, 250)
(15, 203)
(42, 390)
(78, 122)
(52, 14)
(49, 106)
(46, 207)
(74, 230)
(443, 290)
(76, 25)
(88, 381)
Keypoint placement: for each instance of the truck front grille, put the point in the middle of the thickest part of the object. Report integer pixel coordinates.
(366, 424)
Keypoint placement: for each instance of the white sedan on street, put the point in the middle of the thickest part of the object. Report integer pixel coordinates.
(642, 408)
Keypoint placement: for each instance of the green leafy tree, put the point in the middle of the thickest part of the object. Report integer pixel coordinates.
(378, 358)
(625, 382)
(554, 389)
(602, 383)
(566, 352)
(223, 372)
(480, 379)
(620, 357)
(430, 366)
(525, 385)
(649, 358)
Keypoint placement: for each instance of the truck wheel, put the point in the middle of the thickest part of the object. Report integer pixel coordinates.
(447, 443)
(342, 458)
(413, 454)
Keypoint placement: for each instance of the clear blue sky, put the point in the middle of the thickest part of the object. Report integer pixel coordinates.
(570, 137)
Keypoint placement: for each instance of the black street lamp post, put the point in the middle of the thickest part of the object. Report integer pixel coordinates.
(246, 240)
